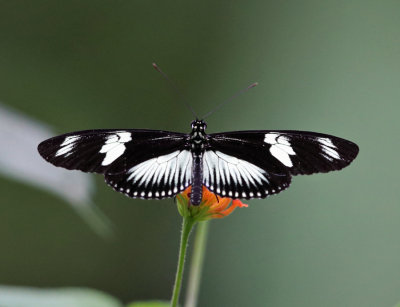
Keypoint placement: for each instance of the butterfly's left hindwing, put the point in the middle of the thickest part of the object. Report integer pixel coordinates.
(159, 177)
(138, 163)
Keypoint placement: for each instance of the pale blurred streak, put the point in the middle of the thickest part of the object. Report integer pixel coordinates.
(65, 297)
(20, 160)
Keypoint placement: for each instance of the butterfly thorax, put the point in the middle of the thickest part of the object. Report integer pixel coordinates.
(198, 137)
(198, 140)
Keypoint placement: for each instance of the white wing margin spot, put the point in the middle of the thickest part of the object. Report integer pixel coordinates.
(222, 168)
(171, 170)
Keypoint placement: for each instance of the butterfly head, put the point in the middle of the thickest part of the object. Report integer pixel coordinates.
(199, 125)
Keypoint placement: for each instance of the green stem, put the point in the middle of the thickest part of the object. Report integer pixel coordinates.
(187, 225)
(196, 264)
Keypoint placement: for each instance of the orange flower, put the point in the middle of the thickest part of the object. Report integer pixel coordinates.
(211, 207)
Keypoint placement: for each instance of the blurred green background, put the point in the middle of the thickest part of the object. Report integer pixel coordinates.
(325, 66)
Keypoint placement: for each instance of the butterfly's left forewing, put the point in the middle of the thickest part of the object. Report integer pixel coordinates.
(248, 164)
(138, 163)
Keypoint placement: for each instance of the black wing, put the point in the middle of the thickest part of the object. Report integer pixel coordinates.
(255, 164)
(138, 163)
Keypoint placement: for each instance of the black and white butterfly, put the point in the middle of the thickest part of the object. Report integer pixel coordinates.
(155, 164)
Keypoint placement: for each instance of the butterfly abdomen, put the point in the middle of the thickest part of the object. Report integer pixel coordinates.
(197, 180)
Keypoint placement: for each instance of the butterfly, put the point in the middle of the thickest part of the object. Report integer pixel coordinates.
(155, 164)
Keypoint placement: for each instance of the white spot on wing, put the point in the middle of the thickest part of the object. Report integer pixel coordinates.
(112, 154)
(329, 149)
(330, 152)
(281, 155)
(280, 147)
(326, 142)
(283, 140)
(124, 137)
(270, 138)
(115, 146)
(67, 145)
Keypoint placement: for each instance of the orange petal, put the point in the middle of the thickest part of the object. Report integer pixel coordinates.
(221, 205)
(238, 203)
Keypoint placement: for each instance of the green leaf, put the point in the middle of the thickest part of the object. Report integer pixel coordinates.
(66, 297)
(31, 169)
(149, 304)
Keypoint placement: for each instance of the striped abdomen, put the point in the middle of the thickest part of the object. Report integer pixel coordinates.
(197, 180)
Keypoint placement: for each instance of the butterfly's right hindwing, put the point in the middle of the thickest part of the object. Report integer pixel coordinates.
(235, 175)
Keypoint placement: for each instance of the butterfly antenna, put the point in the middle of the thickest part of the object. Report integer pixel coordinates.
(230, 99)
(175, 89)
